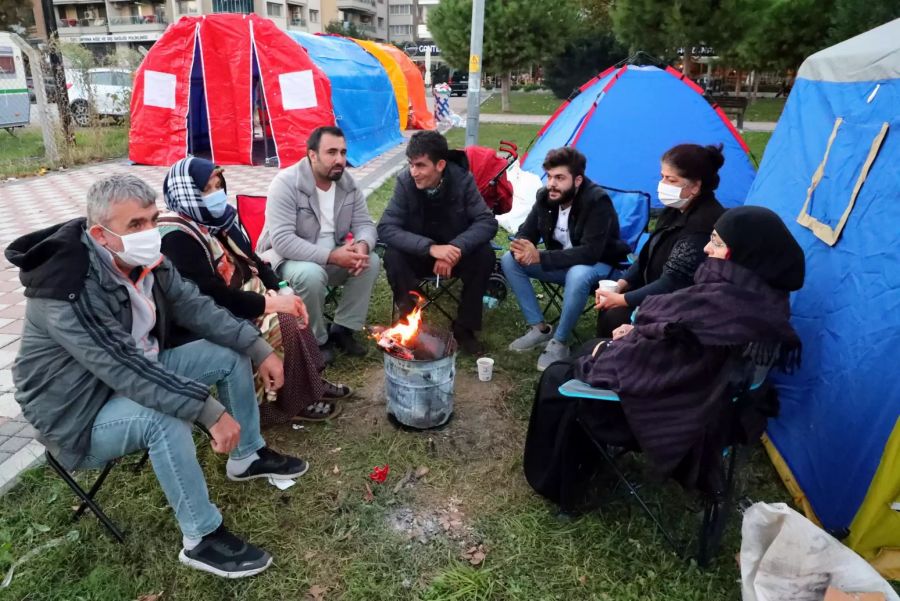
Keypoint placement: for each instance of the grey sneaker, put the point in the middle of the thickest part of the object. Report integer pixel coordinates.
(553, 352)
(533, 338)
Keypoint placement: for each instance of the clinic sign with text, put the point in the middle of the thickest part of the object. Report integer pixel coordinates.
(119, 37)
(418, 49)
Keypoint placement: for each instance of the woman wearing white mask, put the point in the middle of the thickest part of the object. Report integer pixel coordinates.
(203, 240)
(667, 262)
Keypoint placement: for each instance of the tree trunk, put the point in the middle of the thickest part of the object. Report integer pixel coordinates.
(755, 91)
(504, 92)
(737, 84)
(687, 62)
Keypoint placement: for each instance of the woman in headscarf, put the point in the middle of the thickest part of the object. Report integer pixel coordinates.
(689, 177)
(671, 368)
(203, 240)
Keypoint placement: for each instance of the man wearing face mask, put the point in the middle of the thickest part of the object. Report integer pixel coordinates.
(437, 223)
(95, 374)
(689, 176)
(319, 233)
(580, 229)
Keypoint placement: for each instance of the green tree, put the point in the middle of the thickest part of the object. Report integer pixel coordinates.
(581, 59)
(16, 15)
(853, 17)
(350, 29)
(517, 34)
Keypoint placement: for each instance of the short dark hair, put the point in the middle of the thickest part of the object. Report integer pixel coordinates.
(312, 142)
(568, 157)
(699, 163)
(428, 143)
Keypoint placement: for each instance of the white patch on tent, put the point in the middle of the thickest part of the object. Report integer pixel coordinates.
(872, 95)
(298, 91)
(159, 89)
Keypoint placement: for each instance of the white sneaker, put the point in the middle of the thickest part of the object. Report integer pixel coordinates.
(533, 338)
(553, 352)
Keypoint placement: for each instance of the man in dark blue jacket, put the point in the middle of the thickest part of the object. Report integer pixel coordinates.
(437, 223)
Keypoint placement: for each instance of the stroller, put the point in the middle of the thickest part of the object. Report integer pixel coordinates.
(489, 167)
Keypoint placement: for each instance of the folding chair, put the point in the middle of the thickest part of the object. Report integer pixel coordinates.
(745, 378)
(251, 212)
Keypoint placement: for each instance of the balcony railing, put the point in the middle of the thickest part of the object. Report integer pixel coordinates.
(138, 20)
(297, 22)
(367, 6)
(71, 23)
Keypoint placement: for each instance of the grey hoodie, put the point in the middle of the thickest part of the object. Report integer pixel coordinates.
(77, 348)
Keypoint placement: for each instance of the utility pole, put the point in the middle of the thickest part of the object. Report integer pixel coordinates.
(59, 75)
(474, 93)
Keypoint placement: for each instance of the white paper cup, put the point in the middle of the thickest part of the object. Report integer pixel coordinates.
(485, 368)
(608, 286)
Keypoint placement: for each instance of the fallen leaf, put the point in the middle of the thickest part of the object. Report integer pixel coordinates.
(336, 471)
(151, 597)
(421, 471)
(582, 580)
(476, 558)
(368, 497)
(316, 593)
(475, 555)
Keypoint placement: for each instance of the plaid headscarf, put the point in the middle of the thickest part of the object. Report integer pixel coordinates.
(184, 195)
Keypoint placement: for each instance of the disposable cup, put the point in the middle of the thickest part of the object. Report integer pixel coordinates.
(485, 368)
(608, 286)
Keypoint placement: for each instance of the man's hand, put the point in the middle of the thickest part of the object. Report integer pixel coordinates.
(525, 252)
(290, 304)
(443, 268)
(271, 370)
(363, 249)
(226, 433)
(622, 330)
(623, 286)
(348, 257)
(445, 252)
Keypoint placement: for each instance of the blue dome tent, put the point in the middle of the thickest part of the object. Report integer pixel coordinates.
(361, 93)
(832, 172)
(624, 119)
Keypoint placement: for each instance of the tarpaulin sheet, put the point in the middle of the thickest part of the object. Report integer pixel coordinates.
(419, 117)
(394, 73)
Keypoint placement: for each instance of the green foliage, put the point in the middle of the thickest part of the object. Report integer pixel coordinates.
(517, 33)
(16, 15)
(351, 30)
(853, 17)
(581, 59)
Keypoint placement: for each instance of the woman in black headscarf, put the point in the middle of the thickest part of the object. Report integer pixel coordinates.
(669, 369)
(689, 176)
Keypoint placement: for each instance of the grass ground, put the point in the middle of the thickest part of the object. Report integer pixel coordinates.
(765, 109)
(23, 154)
(757, 141)
(523, 103)
(333, 540)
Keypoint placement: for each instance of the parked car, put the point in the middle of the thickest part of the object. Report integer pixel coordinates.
(49, 88)
(101, 92)
(459, 83)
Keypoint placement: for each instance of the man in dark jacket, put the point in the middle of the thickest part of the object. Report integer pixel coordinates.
(437, 223)
(580, 229)
(95, 376)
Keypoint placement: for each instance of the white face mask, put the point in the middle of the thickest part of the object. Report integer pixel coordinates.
(670, 195)
(216, 202)
(140, 248)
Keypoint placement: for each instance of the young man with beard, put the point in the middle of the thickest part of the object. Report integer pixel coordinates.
(319, 233)
(437, 223)
(580, 229)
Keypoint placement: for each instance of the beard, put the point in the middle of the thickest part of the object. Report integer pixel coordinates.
(335, 174)
(565, 196)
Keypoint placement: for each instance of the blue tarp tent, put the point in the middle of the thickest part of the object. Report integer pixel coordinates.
(624, 119)
(362, 95)
(832, 172)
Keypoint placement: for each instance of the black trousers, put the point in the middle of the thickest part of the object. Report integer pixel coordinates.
(474, 269)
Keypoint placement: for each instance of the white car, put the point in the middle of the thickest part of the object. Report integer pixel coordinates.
(101, 92)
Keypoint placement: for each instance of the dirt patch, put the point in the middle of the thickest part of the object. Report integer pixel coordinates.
(481, 425)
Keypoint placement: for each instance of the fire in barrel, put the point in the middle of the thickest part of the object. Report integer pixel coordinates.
(419, 370)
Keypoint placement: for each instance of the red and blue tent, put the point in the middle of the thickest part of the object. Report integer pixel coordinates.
(623, 121)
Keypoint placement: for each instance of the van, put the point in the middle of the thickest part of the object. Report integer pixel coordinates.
(15, 105)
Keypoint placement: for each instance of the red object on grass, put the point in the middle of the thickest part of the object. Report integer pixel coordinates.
(380, 473)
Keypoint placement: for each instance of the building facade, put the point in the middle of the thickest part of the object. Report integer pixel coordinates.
(408, 28)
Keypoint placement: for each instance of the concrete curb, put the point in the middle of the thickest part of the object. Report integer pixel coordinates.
(29, 456)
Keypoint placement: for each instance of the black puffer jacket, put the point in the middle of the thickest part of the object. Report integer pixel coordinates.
(593, 229)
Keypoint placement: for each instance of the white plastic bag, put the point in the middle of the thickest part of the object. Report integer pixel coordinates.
(785, 557)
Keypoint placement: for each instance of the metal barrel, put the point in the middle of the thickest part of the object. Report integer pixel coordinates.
(419, 393)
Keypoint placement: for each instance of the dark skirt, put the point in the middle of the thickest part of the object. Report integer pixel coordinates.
(561, 454)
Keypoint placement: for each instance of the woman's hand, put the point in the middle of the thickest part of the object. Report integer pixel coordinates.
(623, 286)
(622, 330)
(290, 304)
(608, 300)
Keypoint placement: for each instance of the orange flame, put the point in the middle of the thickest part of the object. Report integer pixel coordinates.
(406, 330)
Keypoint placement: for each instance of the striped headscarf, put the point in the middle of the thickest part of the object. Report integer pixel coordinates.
(183, 193)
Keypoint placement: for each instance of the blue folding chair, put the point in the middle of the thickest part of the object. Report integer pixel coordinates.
(745, 378)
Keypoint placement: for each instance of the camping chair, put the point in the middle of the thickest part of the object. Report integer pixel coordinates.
(633, 209)
(251, 212)
(745, 380)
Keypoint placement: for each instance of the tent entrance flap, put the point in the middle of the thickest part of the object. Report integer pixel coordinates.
(848, 157)
(197, 118)
(264, 149)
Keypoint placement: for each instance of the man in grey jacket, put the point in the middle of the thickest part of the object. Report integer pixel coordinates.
(437, 223)
(319, 233)
(95, 377)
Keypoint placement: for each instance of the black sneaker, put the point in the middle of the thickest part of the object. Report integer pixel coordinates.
(334, 391)
(224, 554)
(327, 352)
(270, 463)
(343, 339)
(467, 342)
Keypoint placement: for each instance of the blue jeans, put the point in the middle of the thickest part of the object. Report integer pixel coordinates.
(578, 281)
(123, 426)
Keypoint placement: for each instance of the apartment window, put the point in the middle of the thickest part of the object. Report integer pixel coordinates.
(188, 7)
(273, 9)
(380, 22)
(400, 9)
(313, 16)
(400, 29)
(233, 6)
